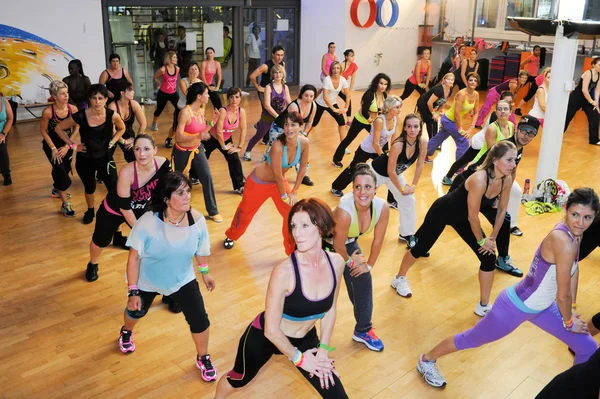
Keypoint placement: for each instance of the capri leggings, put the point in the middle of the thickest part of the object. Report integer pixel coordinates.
(343, 97)
(107, 223)
(433, 226)
(87, 168)
(161, 101)
(190, 302)
(339, 118)
(60, 171)
(128, 154)
(255, 350)
(505, 317)
(355, 128)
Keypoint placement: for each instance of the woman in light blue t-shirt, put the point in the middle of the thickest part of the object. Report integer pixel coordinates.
(162, 245)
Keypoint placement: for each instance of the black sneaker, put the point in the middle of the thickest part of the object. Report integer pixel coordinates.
(307, 182)
(518, 112)
(7, 180)
(393, 205)
(67, 210)
(168, 142)
(515, 231)
(336, 192)
(91, 273)
(194, 181)
(337, 164)
(405, 238)
(88, 216)
(228, 243)
(173, 306)
(119, 240)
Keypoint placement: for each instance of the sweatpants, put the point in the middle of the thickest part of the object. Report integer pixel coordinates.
(448, 130)
(505, 317)
(256, 192)
(255, 350)
(407, 204)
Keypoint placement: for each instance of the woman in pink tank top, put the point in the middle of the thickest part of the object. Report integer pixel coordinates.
(328, 59)
(168, 86)
(231, 118)
(209, 68)
(419, 80)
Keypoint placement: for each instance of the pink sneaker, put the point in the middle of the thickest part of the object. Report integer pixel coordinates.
(209, 372)
(126, 341)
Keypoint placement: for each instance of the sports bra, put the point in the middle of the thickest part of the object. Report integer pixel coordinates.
(297, 307)
(52, 123)
(208, 73)
(229, 128)
(130, 119)
(284, 161)
(195, 127)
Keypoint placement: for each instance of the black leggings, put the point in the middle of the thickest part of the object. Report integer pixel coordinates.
(339, 118)
(87, 168)
(190, 302)
(427, 117)
(343, 97)
(433, 226)
(532, 89)
(355, 128)
(107, 224)
(467, 157)
(409, 87)
(215, 99)
(236, 172)
(345, 178)
(161, 101)
(577, 102)
(4, 158)
(60, 171)
(255, 350)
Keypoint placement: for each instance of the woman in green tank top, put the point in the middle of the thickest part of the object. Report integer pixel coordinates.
(501, 129)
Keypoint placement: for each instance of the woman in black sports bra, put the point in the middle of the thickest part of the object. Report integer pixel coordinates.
(129, 110)
(586, 96)
(114, 77)
(460, 209)
(301, 290)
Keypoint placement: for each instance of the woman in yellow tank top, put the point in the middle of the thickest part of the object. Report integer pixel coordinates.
(465, 102)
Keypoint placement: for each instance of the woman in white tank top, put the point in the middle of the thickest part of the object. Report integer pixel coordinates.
(541, 96)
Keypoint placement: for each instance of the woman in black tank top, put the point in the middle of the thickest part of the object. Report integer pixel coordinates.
(129, 110)
(58, 153)
(468, 65)
(586, 97)
(460, 209)
(114, 77)
(302, 290)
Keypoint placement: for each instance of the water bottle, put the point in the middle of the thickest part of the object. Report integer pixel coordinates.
(526, 186)
(548, 194)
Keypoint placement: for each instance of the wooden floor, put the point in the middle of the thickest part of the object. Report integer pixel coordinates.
(58, 333)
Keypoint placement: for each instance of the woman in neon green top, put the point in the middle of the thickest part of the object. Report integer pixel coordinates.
(501, 129)
(465, 102)
(359, 213)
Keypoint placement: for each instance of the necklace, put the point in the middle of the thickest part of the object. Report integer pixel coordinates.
(409, 143)
(172, 222)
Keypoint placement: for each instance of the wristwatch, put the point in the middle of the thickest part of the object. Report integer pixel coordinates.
(369, 267)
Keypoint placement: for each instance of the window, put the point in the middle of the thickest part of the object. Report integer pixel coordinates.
(487, 13)
(518, 8)
(547, 9)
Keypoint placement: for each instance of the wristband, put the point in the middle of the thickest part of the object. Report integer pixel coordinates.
(133, 293)
(480, 243)
(284, 197)
(133, 287)
(122, 140)
(111, 143)
(323, 346)
(211, 123)
(203, 268)
(298, 357)
(301, 362)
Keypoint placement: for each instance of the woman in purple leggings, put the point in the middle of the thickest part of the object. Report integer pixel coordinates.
(543, 297)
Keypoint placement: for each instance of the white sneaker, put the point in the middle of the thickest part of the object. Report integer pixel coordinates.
(347, 151)
(149, 101)
(481, 310)
(400, 284)
(431, 372)
(247, 156)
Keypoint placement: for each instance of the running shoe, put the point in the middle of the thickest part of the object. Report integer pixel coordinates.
(126, 341)
(154, 127)
(216, 218)
(209, 372)
(307, 182)
(240, 190)
(431, 372)
(515, 231)
(370, 339)
(406, 239)
(88, 216)
(228, 243)
(337, 164)
(506, 265)
(400, 284)
(56, 194)
(482, 310)
(149, 101)
(67, 211)
(7, 180)
(168, 142)
(194, 181)
(428, 159)
(336, 192)
(91, 272)
(247, 156)
(393, 205)
(446, 181)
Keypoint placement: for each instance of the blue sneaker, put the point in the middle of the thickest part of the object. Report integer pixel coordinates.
(369, 339)
(506, 265)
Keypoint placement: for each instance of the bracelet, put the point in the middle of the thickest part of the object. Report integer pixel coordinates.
(301, 362)
(569, 324)
(122, 140)
(53, 148)
(133, 293)
(211, 123)
(224, 147)
(481, 242)
(298, 357)
(323, 346)
(574, 305)
(203, 268)
(284, 197)
(369, 267)
(111, 143)
(133, 287)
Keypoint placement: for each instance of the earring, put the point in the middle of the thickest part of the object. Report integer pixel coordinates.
(166, 200)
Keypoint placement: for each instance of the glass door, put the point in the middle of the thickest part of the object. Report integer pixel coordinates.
(255, 41)
(284, 34)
